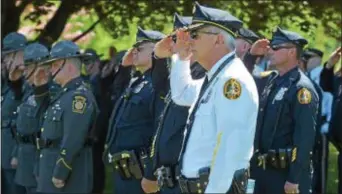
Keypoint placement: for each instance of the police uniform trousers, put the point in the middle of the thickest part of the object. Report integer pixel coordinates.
(122, 186)
(272, 181)
(8, 173)
(99, 168)
(80, 179)
(27, 158)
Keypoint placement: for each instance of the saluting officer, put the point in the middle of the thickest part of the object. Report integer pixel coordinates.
(311, 64)
(65, 164)
(168, 138)
(286, 122)
(12, 92)
(218, 138)
(29, 120)
(332, 82)
(134, 118)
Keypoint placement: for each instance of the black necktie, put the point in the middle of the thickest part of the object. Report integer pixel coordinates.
(190, 121)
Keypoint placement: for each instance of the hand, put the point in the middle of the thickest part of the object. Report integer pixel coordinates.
(149, 186)
(41, 76)
(164, 48)
(14, 162)
(16, 72)
(57, 183)
(260, 47)
(127, 60)
(291, 188)
(183, 45)
(334, 58)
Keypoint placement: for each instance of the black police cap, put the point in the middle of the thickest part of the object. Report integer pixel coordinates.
(35, 53)
(147, 36)
(281, 36)
(181, 21)
(314, 52)
(12, 42)
(247, 35)
(203, 16)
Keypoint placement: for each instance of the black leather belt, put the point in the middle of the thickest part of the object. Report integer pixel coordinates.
(26, 139)
(55, 143)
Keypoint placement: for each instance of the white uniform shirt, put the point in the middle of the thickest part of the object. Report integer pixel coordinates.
(223, 131)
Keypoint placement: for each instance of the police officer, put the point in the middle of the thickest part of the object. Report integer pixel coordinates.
(244, 41)
(333, 83)
(311, 64)
(134, 118)
(29, 120)
(92, 65)
(65, 164)
(12, 92)
(167, 140)
(218, 138)
(286, 121)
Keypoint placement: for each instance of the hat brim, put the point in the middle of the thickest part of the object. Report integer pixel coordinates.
(193, 27)
(49, 61)
(11, 51)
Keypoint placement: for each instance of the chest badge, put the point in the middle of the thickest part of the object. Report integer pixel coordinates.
(280, 95)
(79, 104)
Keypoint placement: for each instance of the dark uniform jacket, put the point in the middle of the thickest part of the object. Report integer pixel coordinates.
(66, 153)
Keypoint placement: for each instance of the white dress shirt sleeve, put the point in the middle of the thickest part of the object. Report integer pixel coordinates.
(184, 90)
(236, 121)
(327, 101)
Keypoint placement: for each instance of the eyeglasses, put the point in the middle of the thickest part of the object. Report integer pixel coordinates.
(278, 47)
(194, 34)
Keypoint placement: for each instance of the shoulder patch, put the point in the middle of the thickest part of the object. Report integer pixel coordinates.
(79, 104)
(304, 96)
(232, 89)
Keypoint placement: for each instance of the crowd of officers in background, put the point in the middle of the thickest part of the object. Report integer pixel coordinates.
(162, 118)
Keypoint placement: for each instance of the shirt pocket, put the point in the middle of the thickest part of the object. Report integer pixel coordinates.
(53, 124)
(27, 121)
(204, 119)
(135, 109)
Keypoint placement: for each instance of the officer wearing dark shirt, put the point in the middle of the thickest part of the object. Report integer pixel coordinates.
(65, 163)
(29, 120)
(13, 90)
(286, 122)
(134, 118)
(168, 138)
(331, 82)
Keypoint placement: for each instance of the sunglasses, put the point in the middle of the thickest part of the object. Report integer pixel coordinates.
(278, 47)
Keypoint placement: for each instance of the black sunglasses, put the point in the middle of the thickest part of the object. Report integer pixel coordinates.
(278, 47)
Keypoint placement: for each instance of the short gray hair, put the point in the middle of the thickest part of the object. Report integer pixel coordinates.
(76, 62)
(229, 40)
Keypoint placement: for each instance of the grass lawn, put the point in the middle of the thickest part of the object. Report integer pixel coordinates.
(332, 176)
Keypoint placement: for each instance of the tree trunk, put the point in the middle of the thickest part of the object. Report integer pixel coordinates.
(10, 16)
(55, 26)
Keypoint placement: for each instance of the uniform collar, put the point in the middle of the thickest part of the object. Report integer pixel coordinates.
(212, 71)
(288, 75)
(74, 83)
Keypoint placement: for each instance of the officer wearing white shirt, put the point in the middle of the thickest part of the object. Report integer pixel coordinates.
(218, 139)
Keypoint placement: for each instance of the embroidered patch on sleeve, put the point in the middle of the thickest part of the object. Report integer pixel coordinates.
(79, 104)
(304, 96)
(232, 89)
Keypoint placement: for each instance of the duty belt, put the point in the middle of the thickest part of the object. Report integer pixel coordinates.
(55, 143)
(194, 185)
(279, 159)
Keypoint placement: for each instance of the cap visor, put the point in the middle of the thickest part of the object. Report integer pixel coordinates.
(194, 26)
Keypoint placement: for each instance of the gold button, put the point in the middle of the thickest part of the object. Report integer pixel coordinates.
(116, 167)
(42, 129)
(199, 191)
(41, 155)
(198, 185)
(124, 165)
